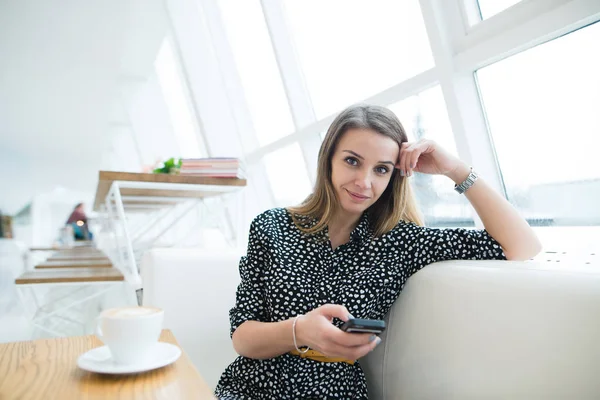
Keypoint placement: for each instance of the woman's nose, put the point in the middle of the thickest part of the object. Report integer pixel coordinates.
(363, 180)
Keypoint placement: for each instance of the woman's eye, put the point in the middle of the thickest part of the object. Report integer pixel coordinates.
(351, 161)
(382, 170)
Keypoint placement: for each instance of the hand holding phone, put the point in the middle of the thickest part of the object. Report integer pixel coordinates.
(359, 325)
(317, 331)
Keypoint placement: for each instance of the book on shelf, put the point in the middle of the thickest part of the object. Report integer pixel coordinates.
(219, 167)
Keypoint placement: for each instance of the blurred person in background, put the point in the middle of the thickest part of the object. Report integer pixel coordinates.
(79, 221)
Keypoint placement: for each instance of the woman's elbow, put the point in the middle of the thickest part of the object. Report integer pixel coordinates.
(525, 252)
(238, 343)
(242, 340)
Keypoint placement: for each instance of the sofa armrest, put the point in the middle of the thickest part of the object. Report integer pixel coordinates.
(491, 329)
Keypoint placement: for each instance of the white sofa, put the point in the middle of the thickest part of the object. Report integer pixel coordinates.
(460, 330)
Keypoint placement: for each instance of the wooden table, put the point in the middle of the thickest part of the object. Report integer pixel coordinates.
(47, 369)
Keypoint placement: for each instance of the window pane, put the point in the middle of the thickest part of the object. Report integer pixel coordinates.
(425, 115)
(493, 7)
(542, 108)
(255, 60)
(287, 173)
(350, 50)
(174, 92)
(572, 244)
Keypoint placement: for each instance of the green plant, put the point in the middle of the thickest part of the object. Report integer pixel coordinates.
(171, 166)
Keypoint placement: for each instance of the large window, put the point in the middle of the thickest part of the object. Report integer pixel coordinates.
(487, 8)
(527, 113)
(542, 108)
(350, 50)
(249, 39)
(180, 109)
(425, 116)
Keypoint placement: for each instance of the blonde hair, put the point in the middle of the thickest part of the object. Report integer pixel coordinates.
(397, 202)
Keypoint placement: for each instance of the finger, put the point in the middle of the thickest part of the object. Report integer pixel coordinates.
(335, 311)
(359, 352)
(403, 156)
(350, 353)
(333, 349)
(414, 159)
(352, 339)
(409, 156)
(397, 165)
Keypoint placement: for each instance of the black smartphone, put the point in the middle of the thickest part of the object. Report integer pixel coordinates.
(358, 325)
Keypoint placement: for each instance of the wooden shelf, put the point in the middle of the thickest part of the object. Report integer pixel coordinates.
(48, 248)
(77, 252)
(82, 257)
(101, 263)
(84, 246)
(76, 255)
(106, 178)
(63, 275)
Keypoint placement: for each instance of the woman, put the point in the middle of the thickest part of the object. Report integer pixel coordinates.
(78, 220)
(348, 251)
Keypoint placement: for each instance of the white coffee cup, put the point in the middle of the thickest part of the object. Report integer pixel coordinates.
(130, 332)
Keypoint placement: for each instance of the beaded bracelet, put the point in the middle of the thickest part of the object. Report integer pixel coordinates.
(294, 335)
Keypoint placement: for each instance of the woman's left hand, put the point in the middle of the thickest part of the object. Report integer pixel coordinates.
(427, 157)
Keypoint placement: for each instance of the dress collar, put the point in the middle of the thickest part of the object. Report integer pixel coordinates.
(360, 233)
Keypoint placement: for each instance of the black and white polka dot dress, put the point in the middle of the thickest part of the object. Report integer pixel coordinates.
(286, 272)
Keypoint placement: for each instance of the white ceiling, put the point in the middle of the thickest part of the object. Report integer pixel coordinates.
(66, 72)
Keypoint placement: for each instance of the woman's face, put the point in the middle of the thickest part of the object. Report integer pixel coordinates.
(361, 168)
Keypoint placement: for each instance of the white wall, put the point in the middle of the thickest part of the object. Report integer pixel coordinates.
(23, 178)
(64, 67)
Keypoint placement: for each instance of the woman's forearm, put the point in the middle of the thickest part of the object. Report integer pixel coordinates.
(500, 219)
(263, 340)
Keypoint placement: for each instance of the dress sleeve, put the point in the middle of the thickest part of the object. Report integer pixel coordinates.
(250, 294)
(432, 245)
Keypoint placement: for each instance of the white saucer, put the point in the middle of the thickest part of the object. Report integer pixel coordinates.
(100, 360)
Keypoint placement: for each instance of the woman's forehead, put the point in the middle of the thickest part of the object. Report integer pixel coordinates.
(368, 143)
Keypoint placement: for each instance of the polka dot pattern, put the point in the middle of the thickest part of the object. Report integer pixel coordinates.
(286, 272)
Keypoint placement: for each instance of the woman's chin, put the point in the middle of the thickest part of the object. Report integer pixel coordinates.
(354, 208)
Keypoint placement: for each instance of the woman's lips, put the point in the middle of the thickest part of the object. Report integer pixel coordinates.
(356, 196)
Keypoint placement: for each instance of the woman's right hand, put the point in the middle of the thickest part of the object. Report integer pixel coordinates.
(316, 331)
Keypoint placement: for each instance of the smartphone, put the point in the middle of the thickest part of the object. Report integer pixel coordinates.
(358, 325)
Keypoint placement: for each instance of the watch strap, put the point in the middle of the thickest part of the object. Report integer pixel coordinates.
(467, 183)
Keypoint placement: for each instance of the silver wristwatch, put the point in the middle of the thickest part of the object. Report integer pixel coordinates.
(467, 183)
